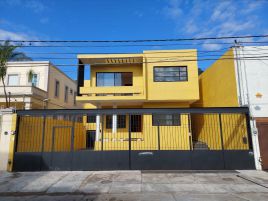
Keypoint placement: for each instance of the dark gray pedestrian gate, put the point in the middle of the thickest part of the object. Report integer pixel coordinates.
(138, 139)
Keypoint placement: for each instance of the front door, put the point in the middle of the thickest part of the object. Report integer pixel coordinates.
(263, 141)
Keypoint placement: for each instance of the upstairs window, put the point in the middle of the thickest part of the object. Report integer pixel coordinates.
(114, 79)
(170, 74)
(57, 88)
(13, 80)
(33, 80)
(66, 92)
(166, 120)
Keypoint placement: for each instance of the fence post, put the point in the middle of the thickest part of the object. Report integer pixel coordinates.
(72, 140)
(102, 131)
(43, 141)
(129, 141)
(222, 143)
(158, 134)
(249, 131)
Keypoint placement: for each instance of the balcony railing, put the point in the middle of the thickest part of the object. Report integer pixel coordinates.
(23, 90)
(118, 92)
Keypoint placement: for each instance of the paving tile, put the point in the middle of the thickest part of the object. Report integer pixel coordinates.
(253, 196)
(206, 197)
(43, 183)
(127, 177)
(124, 188)
(70, 183)
(94, 188)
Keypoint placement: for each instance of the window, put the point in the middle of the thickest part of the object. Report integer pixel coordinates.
(170, 74)
(136, 123)
(90, 139)
(91, 119)
(121, 121)
(33, 80)
(75, 94)
(166, 120)
(66, 94)
(57, 88)
(114, 79)
(13, 80)
(71, 91)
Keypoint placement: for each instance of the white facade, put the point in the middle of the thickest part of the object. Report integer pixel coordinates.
(252, 76)
(39, 92)
(252, 86)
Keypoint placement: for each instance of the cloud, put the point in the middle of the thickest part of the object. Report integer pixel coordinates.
(44, 20)
(9, 35)
(138, 13)
(208, 18)
(207, 46)
(173, 10)
(34, 5)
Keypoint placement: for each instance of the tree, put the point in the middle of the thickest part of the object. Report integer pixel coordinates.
(30, 76)
(7, 53)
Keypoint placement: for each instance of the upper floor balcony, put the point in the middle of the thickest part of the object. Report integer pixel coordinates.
(23, 91)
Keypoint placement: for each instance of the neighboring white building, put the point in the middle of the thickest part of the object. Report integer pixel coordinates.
(252, 82)
(49, 87)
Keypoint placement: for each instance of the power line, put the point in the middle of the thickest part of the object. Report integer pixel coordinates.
(160, 61)
(141, 41)
(67, 58)
(144, 45)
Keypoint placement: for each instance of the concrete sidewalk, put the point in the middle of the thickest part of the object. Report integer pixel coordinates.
(134, 185)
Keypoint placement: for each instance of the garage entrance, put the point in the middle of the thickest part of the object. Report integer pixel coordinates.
(136, 139)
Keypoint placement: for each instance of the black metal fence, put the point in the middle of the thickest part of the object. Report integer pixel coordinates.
(188, 138)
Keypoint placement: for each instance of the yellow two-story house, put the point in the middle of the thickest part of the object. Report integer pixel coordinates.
(152, 79)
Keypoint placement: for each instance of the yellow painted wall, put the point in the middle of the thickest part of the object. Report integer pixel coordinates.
(30, 135)
(206, 129)
(218, 89)
(180, 91)
(171, 137)
(217, 84)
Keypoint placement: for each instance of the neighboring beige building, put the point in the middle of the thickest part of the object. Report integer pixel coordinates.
(49, 87)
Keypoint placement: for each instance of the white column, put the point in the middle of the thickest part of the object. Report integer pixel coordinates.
(97, 127)
(114, 123)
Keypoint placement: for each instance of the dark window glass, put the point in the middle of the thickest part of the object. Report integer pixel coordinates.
(91, 119)
(136, 123)
(57, 88)
(170, 74)
(66, 94)
(114, 79)
(166, 120)
(90, 140)
(121, 121)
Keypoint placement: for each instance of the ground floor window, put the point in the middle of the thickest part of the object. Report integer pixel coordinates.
(121, 121)
(166, 120)
(90, 139)
(91, 118)
(136, 123)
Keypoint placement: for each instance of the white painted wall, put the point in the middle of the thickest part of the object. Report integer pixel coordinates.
(5, 136)
(47, 75)
(254, 79)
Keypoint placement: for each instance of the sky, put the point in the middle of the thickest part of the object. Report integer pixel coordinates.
(129, 20)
